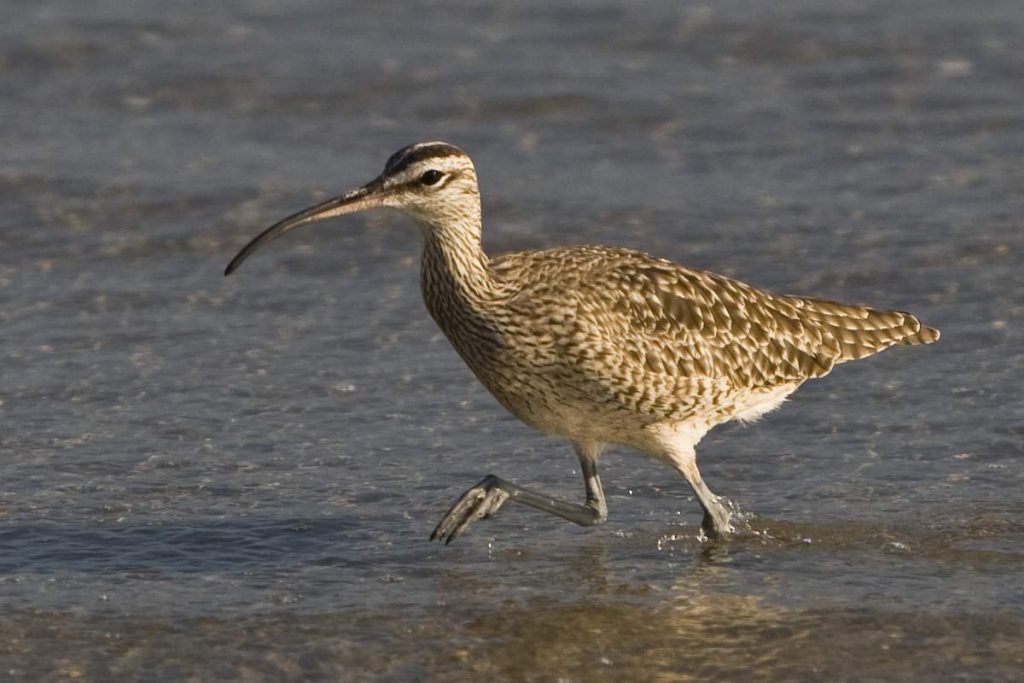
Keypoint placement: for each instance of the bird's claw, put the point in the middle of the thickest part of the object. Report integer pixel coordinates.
(479, 502)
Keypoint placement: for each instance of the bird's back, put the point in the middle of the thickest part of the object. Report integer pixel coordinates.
(621, 330)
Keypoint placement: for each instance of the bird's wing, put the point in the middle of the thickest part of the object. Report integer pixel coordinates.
(652, 316)
(690, 323)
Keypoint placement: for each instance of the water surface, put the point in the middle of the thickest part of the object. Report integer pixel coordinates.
(235, 478)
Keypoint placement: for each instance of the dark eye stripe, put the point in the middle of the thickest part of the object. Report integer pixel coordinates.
(403, 158)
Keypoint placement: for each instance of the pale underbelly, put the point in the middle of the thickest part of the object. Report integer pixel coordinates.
(602, 418)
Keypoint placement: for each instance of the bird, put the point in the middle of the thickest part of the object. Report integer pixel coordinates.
(602, 345)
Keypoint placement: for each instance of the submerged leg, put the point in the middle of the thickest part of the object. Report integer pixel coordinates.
(487, 497)
(716, 522)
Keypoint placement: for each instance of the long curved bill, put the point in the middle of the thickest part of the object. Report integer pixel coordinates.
(367, 197)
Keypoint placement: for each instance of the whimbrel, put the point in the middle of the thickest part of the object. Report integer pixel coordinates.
(603, 345)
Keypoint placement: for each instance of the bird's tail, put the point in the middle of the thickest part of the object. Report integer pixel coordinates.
(861, 331)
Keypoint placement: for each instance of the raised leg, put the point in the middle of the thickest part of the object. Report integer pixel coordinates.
(487, 497)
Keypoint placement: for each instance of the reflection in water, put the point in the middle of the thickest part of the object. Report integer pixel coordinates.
(694, 626)
(617, 632)
(695, 635)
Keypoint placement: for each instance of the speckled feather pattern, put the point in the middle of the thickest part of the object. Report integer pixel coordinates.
(634, 339)
(603, 342)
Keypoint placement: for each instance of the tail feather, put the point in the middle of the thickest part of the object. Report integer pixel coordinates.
(926, 335)
(860, 331)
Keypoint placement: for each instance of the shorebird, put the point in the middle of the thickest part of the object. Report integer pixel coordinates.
(602, 345)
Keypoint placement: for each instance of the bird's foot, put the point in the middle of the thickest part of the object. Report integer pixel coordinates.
(717, 523)
(479, 502)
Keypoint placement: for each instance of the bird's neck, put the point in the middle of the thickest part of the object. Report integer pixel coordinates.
(454, 269)
(462, 294)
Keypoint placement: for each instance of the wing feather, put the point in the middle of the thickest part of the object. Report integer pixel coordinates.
(650, 330)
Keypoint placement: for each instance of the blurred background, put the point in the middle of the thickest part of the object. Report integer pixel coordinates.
(213, 479)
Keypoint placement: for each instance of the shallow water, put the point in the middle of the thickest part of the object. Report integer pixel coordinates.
(235, 478)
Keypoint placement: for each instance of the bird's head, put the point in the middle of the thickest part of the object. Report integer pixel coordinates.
(433, 182)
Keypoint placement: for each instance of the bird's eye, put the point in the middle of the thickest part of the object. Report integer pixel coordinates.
(431, 177)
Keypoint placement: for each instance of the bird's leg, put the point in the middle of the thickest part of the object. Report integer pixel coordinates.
(716, 522)
(487, 497)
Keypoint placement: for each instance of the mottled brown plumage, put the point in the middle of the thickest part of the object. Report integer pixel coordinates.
(662, 342)
(604, 345)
